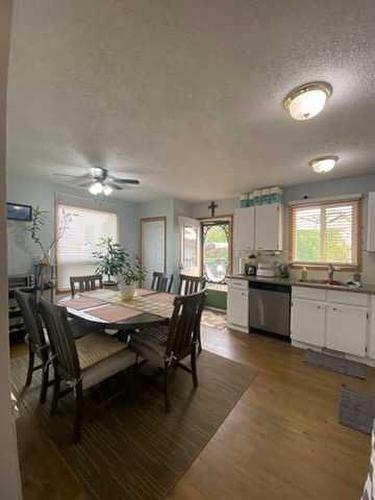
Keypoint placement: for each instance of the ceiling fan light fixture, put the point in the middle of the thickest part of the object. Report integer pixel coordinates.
(323, 164)
(96, 188)
(308, 100)
(107, 190)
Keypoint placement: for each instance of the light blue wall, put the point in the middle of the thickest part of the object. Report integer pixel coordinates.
(21, 249)
(354, 185)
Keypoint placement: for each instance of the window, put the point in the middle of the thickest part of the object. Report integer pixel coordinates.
(75, 247)
(216, 250)
(325, 232)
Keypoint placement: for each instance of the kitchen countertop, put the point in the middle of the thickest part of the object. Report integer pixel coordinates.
(365, 288)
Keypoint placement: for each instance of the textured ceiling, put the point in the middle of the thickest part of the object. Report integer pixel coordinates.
(186, 95)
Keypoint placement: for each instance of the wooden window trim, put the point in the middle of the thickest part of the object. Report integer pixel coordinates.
(323, 266)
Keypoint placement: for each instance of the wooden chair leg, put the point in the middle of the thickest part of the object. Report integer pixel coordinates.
(194, 369)
(30, 368)
(56, 391)
(199, 338)
(43, 391)
(167, 405)
(78, 413)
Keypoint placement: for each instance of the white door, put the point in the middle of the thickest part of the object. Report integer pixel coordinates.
(347, 329)
(238, 304)
(189, 245)
(268, 227)
(153, 252)
(244, 229)
(308, 321)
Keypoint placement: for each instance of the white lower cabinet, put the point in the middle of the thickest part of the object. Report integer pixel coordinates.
(321, 318)
(308, 321)
(347, 329)
(238, 305)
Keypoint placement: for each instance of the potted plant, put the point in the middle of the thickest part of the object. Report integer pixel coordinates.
(44, 268)
(111, 258)
(132, 272)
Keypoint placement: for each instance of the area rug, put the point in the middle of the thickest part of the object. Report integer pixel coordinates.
(133, 450)
(357, 409)
(335, 364)
(214, 319)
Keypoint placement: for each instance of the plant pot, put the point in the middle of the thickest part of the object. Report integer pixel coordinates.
(127, 291)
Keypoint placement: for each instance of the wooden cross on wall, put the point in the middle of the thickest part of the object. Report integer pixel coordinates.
(212, 206)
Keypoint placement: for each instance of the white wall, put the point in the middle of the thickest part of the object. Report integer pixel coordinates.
(21, 248)
(10, 484)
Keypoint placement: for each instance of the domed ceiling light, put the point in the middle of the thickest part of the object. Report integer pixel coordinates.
(308, 100)
(323, 164)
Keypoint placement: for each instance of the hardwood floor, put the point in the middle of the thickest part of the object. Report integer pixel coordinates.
(281, 440)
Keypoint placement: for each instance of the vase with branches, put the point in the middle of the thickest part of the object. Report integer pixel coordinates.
(35, 229)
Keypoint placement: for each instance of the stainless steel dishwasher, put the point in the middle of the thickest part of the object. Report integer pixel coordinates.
(269, 307)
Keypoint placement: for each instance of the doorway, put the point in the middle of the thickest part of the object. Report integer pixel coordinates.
(153, 246)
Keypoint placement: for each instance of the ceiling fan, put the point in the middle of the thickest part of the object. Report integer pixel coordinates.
(99, 180)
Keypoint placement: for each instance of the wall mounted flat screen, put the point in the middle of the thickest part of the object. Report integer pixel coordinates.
(16, 211)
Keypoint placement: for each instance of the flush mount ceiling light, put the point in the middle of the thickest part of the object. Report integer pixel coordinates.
(308, 100)
(323, 164)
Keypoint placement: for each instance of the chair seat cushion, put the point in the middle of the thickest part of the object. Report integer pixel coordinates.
(150, 343)
(96, 347)
(102, 370)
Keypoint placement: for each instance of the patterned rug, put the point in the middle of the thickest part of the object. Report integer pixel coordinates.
(133, 450)
(214, 319)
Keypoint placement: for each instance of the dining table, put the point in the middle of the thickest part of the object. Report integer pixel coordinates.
(108, 308)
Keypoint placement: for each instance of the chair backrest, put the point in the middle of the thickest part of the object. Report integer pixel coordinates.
(61, 339)
(85, 283)
(184, 325)
(190, 284)
(161, 282)
(26, 300)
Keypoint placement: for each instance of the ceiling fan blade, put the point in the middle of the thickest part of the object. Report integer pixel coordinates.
(78, 178)
(87, 183)
(112, 184)
(124, 181)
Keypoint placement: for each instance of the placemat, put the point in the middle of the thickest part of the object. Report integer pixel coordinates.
(113, 313)
(80, 303)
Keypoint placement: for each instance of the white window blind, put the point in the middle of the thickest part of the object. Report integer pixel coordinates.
(325, 232)
(74, 249)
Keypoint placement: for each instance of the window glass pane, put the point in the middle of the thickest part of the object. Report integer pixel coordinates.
(308, 235)
(79, 240)
(339, 235)
(215, 251)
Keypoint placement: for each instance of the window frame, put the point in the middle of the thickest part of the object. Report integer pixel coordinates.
(328, 202)
(77, 206)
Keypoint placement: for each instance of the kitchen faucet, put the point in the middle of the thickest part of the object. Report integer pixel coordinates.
(331, 270)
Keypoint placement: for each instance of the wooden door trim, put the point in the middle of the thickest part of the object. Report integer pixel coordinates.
(153, 219)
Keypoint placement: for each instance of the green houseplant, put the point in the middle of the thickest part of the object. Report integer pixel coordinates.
(111, 259)
(132, 272)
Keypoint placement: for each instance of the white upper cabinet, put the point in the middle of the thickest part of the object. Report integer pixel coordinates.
(244, 229)
(268, 227)
(371, 223)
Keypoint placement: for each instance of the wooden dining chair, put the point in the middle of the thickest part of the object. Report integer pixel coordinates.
(167, 345)
(162, 282)
(190, 284)
(83, 363)
(35, 338)
(85, 283)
